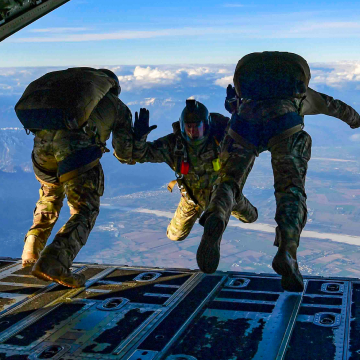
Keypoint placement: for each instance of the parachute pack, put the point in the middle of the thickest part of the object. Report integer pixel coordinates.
(271, 74)
(62, 99)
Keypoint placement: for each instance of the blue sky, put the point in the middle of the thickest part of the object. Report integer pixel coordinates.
(88, 32)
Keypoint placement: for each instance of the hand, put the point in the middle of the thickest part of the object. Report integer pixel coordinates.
(141, 125)
(231, 100)
(230, 92)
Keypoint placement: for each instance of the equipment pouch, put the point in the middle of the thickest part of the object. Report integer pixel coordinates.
(185, 166)
(216, 164)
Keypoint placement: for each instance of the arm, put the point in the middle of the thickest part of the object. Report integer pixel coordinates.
(160, 150)
(122, 140)
(318, 103)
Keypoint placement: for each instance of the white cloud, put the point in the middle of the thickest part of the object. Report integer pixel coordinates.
(355, 137)
(5, 87)
(224, 81)
(59, 30)
(233, 5)
(6, 72)
(196, 71)
(147, 77)
(122, 35)
(148, 101)
(153, 101)
(199, 97)
(336, 74)
(224, 71)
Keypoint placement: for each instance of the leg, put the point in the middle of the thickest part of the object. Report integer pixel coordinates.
(290, 161)
(236, 164)
(46, 213)
(244, 210)
(183, 221)
(83, 193)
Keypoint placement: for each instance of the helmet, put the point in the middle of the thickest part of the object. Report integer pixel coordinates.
(194, 122)
(117, 90)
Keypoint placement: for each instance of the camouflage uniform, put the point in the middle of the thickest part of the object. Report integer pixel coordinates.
(197, 185)
(66, 162)
(290, 153)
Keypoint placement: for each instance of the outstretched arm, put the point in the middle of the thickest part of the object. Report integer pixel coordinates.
(160, 150)
(318, 103)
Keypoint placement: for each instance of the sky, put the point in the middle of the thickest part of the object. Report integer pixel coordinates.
(87, 32)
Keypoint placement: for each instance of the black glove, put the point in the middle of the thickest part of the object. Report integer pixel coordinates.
(231, 100)
(141, 125)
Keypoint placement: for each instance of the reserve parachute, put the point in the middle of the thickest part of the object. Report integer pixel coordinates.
(271, 74)
(63, 99)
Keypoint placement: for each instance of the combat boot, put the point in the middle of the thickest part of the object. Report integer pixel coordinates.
(208, 253)
(285, 264)
(32, 249)
(54, 265)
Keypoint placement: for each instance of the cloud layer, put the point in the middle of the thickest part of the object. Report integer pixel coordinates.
(163, 90)
(337, 75)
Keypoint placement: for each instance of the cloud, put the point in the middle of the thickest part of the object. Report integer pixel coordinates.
(184, 78)
(233, 5)
(271, 26)
(58, 30)
(153, 102)
(336, 74)
(224, 81)
(123, 35)
(147, 77)
(355, 137)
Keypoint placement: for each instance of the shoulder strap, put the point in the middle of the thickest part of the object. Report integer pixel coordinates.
(180, 152)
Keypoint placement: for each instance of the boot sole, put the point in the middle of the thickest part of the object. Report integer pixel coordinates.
(28, 263)
(42, 276)
(291, 278)
(208, 253)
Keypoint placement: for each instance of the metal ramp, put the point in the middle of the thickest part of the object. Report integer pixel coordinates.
(176, 314)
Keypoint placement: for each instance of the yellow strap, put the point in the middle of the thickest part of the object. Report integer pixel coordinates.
(171, 185)
(285, 134)
(70, 175)
(46, 183)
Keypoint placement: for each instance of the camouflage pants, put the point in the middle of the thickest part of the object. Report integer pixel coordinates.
(289, 159)
(83, 194)
(187, 213)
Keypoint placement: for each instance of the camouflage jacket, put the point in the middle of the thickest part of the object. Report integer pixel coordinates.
(112, 116)
(201, 175)
(69, 152)
(313, 104)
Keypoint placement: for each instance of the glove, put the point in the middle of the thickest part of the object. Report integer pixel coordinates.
(231, 100)
(141, 125)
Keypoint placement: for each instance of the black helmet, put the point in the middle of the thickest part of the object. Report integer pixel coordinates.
(195, 113)
(117, 90)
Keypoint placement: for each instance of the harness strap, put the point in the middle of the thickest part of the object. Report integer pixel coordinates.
(70, 175)
(242, 141)
(285, 134)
